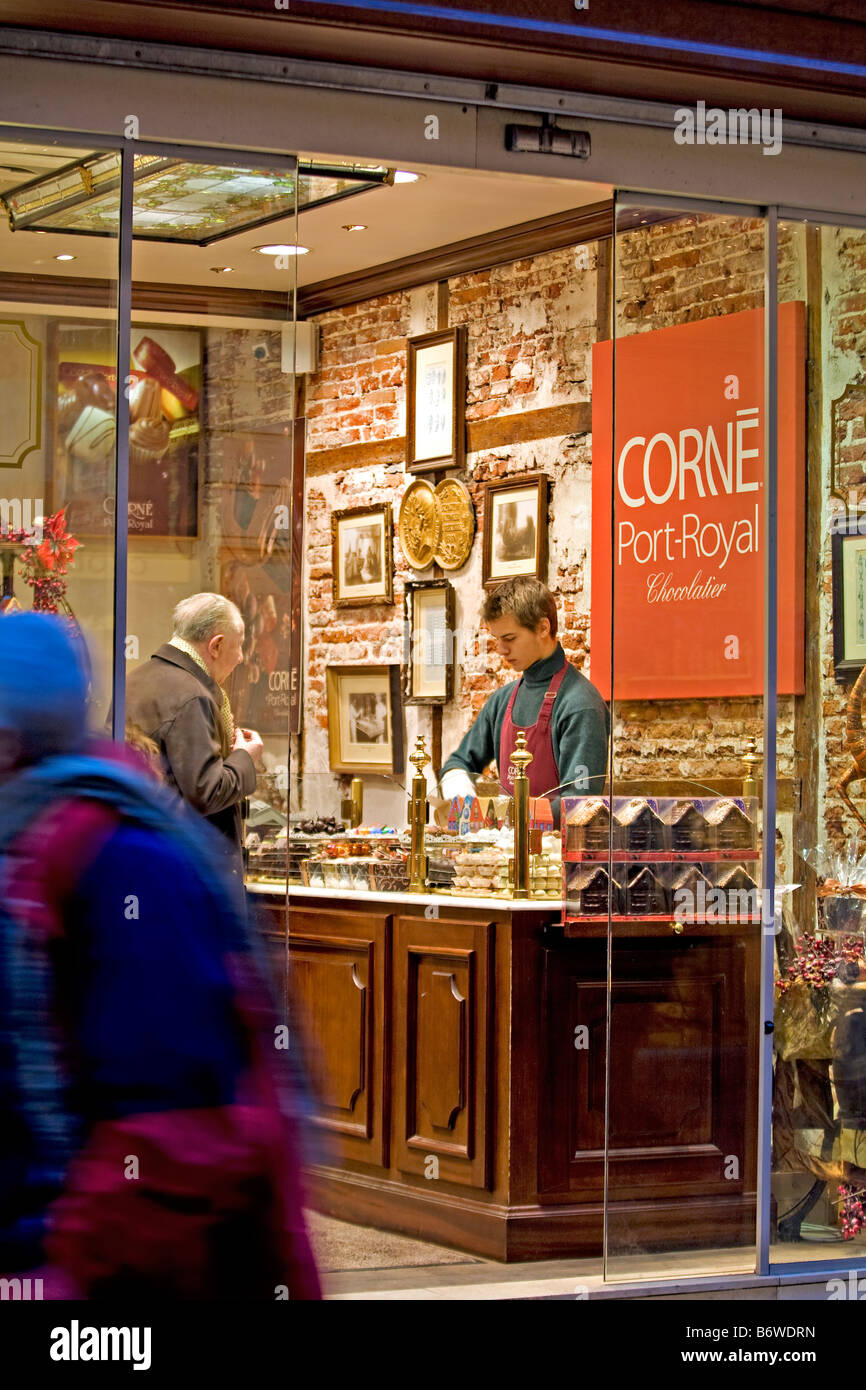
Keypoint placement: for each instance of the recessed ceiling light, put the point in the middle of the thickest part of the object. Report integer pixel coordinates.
(406, 176)
(221, 269)
(281, 250)
(354, 226)
(65, 256)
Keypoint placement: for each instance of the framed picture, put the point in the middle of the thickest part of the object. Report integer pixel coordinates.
(165, 389)
(362, 552)
(849, 596)
(515, 529)
(365, 720)
(436, 404)
(428, 661)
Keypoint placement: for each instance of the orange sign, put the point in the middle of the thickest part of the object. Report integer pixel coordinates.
(686, 488)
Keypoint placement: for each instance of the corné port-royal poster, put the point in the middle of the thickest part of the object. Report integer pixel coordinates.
(678, 537)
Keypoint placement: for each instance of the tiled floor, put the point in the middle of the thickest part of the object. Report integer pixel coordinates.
(359, 1263)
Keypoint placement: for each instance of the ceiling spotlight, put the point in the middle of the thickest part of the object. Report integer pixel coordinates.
(282, 250)
(65, 256)
(406, 176)
(354, 226)
(221, 269)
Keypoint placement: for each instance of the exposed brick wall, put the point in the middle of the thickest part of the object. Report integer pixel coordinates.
(359, 392)
(531, 326)
(530, 329)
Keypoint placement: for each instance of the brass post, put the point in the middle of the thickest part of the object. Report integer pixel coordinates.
(357, 795)
(417, 820)
(752, 759)
(520, 760)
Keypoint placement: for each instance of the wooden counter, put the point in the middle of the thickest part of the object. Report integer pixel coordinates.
(461, 1048)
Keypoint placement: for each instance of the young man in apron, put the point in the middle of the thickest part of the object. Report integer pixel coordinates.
(564, 719)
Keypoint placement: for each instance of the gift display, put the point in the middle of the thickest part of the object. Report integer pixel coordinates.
(693, 859)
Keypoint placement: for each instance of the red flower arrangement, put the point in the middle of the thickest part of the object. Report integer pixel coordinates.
(851, 1210)
(44, 564)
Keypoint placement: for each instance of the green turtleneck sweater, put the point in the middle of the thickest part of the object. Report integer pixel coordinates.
(580, 726)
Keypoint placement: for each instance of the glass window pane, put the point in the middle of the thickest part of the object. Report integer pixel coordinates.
(212, 430)
(678, 583)
(819, 1105)
(58, 406)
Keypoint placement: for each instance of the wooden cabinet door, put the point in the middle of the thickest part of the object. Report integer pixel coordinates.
(338, 978)
(270, 918)
(443, 1013)
(682, 1073)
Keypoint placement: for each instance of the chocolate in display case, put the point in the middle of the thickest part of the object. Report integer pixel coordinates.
(322, 853)
(651, 858)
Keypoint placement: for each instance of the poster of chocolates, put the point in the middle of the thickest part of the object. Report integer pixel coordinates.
(164, 390)
(262, 524)
(260, 689)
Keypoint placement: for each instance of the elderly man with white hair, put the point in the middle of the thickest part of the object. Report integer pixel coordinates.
(177, 699)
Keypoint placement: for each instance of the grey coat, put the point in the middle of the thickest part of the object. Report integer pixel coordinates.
(177, 704)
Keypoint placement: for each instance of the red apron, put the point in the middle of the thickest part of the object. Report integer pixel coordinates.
(542, 772)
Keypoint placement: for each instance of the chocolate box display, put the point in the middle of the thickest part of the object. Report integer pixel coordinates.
(587, 889)
(730, 826)
(266, 860)
(389, 875)
(637, 826)
(687, 826)
(645, 894)
(690, 891)
(656, 848)
(587, 823)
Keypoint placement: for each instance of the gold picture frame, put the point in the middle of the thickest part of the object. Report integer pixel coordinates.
(365, 720)
(362, 556)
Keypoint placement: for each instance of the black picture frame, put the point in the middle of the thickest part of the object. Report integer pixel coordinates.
(375, 517)
(847, 531)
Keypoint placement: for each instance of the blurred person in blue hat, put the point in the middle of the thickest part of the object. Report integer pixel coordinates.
(150, 1121)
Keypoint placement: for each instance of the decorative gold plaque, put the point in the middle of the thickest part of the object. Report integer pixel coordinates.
(456, 523)
(418, 524)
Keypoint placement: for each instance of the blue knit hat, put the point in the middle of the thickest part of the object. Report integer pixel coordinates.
(43, 683)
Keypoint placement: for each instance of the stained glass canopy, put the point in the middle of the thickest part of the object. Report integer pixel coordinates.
(178, 200)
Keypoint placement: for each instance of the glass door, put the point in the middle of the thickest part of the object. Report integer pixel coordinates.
(679, 571)
(817, 1167)
(212, 380)
(59, 398)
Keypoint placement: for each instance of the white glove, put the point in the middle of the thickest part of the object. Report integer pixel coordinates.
(457, 782)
